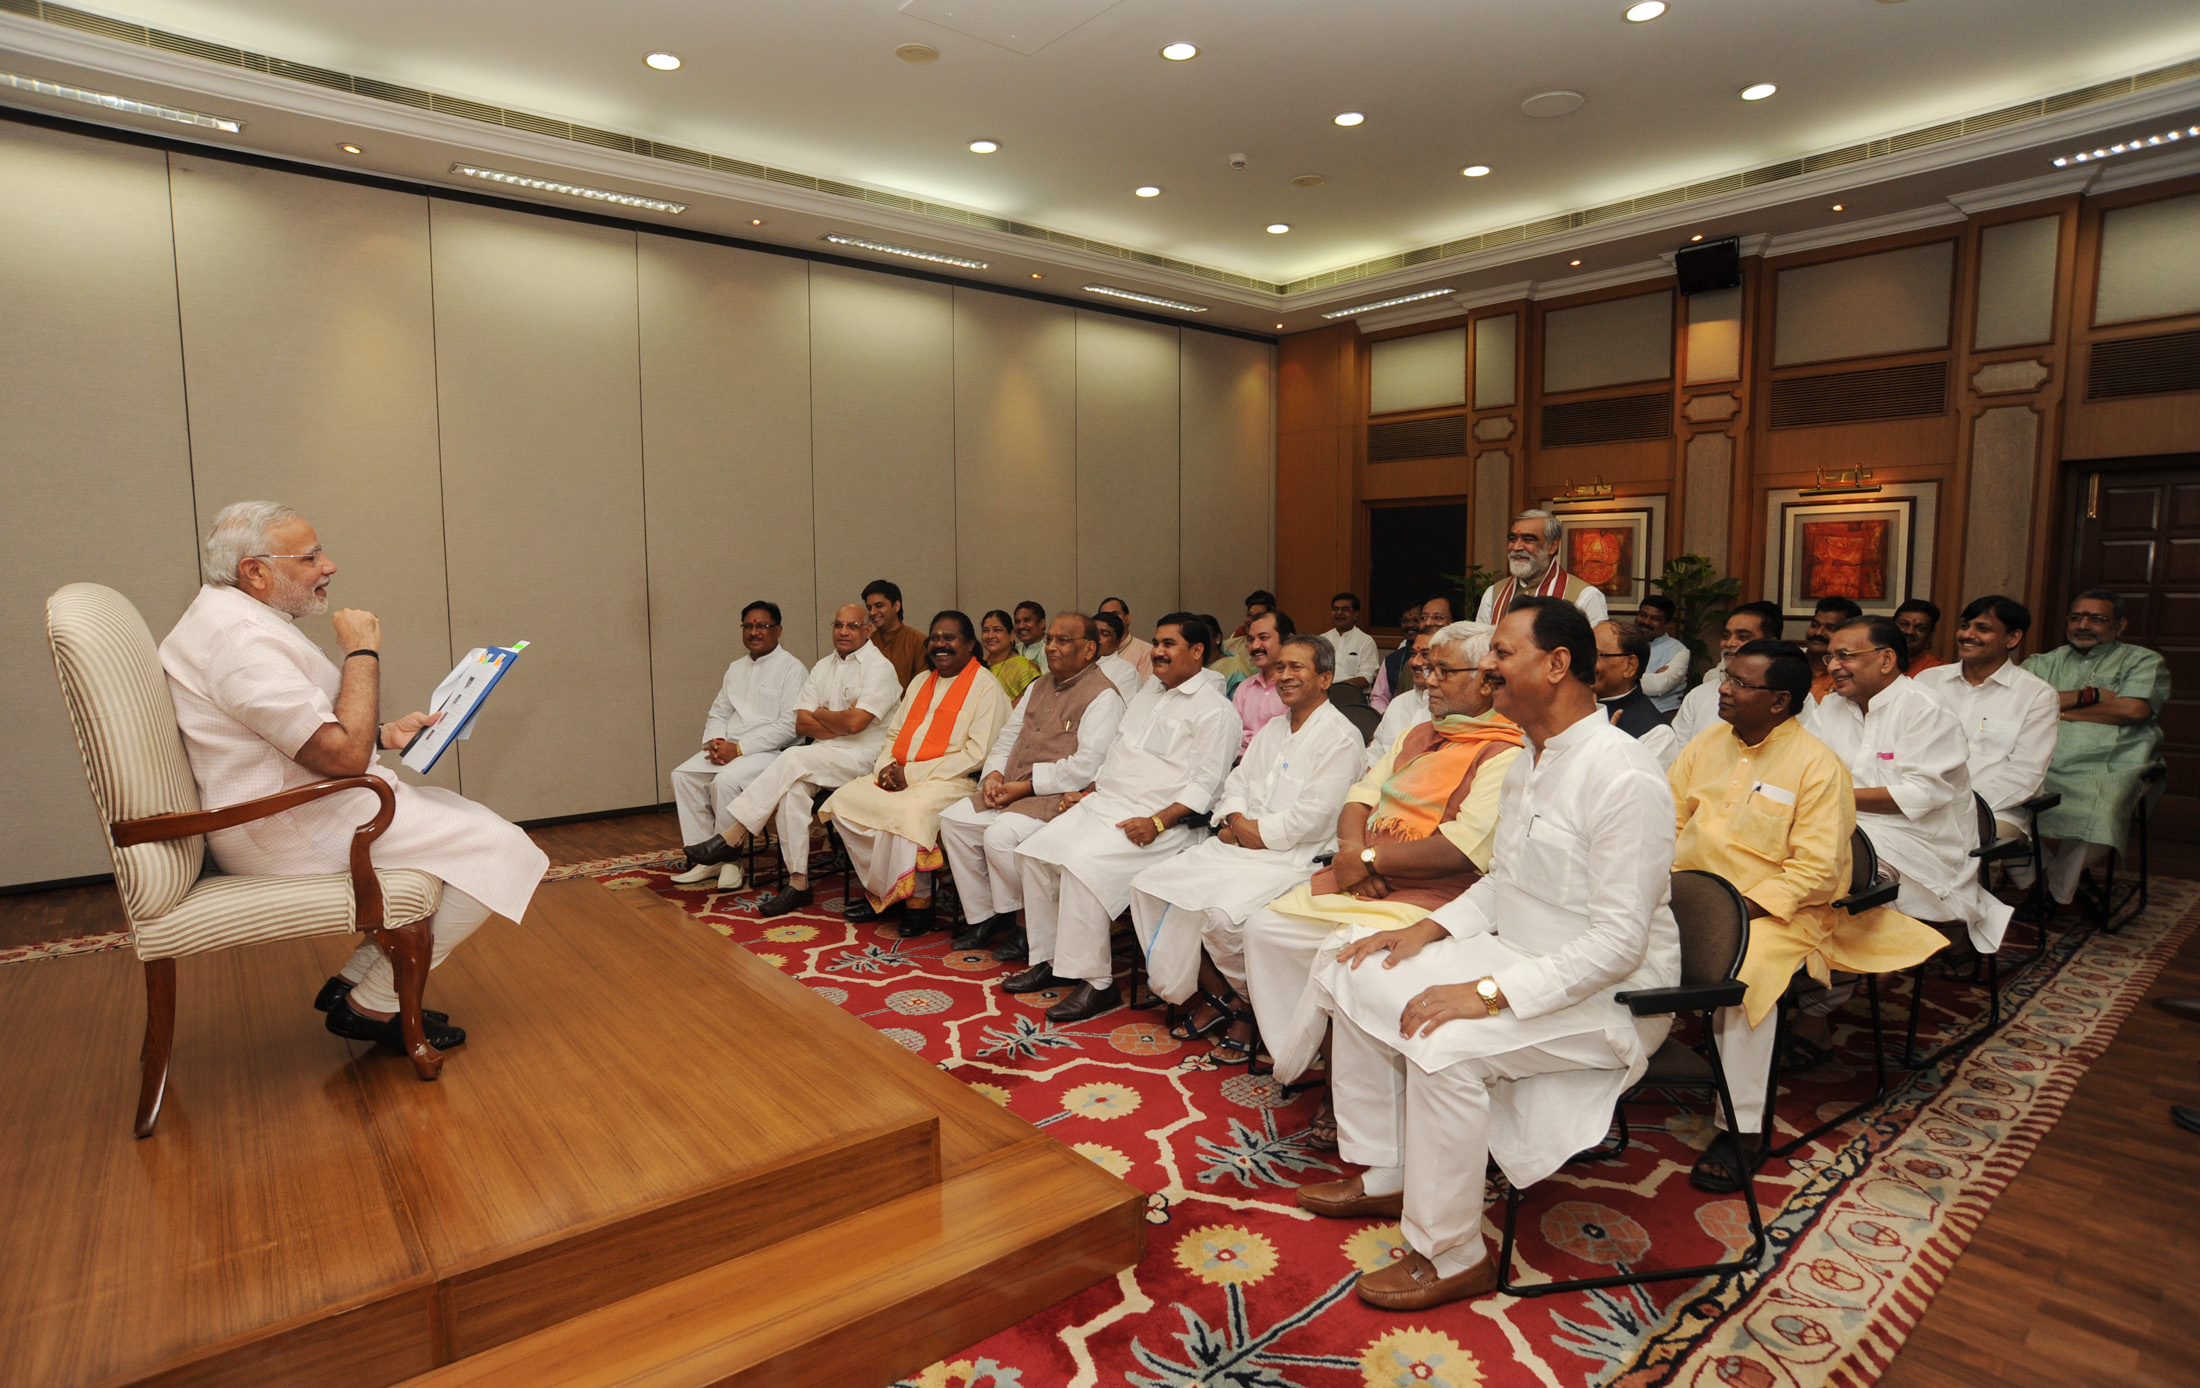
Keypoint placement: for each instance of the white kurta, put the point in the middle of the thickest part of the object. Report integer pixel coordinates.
(1576, 908)
(1910, 746)
(250, 690)
(863, 679)
(2009, 722)
(1667, 673)
(1404, 712)
(1591, 600)
(1292, 784)
(1123, 675)
(1357, 658)
(1699, 710)
(755, 711)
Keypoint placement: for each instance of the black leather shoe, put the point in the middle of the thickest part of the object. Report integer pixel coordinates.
(339, 986)
(1014, 950)
(915, 921)
(1715, 1170)
(779, 903)
(2186, 1118)
(713, 850)
(857, 910)
(1085, 1001)
(1037, 978)
(2185, 1008)
(350, 1025)
(977, 934)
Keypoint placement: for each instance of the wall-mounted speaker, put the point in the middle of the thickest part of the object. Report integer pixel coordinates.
(1710, 266)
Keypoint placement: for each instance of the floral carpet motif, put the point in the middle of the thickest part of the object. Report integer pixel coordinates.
(1239, 1287)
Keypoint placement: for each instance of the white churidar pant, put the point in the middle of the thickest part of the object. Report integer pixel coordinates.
(370, 970)
(1067, 924)
(704, 791)
(981, 851)
(1280, 951)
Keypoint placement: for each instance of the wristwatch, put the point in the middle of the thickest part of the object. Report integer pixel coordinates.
(1487, 991)
(1158, 827)
(1367, 856)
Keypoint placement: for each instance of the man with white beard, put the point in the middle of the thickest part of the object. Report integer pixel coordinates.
(1531, 566)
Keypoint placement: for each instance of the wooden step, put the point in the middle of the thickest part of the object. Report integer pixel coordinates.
(872, 1298)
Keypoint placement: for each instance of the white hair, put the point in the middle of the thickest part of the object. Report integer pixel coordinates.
(240, 532)
(1470, 639)
(1550, 523)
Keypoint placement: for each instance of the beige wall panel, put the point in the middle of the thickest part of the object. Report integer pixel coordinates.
(1609, 344)
(1709, 463)
(1015, 453)
(1228, 472)
(309, 355)
(882, 420)
(1496, 345)
(2016, 283)
(1492, 509)
(1128, 499)
(725, 357)
(1421, 372)
(538, 375)
(1895, 301)
(2148, 269)
(95, 465)
(1715, 335)
(2005, 445)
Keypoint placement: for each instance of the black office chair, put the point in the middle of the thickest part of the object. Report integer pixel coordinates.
(1714, 931)
(1987, 967)
(2114, 915)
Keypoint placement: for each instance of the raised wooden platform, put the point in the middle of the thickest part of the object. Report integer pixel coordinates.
(656, 1155)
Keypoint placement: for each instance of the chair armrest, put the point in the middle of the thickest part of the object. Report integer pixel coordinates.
(1691, 997)
(2045, 800)
(1877, 895)
(366, 888)
(2001, 850)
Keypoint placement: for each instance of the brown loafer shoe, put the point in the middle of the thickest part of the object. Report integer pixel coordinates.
(1084, 1003)
(1346, 1199)
(1411, 1283)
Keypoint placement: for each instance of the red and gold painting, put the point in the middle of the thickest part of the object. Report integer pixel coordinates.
(1613, 546)
(1602, 557)
(1845, 559)
(1862, 550)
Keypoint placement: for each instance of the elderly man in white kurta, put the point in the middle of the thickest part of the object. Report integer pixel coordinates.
(262, 710)
(1908, 758)
(935, 743)
(840, 709)
(1178, 739)
(1491, 1028)
(1052, 745)
(1278, 810)
(750, 721)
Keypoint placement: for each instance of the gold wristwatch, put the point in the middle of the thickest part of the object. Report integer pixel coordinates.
(1158, 827)
(1367, 856)
(1491, 1001)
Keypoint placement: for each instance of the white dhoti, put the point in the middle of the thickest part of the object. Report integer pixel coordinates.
(1204, 897)
(370, 971)
(704, 791)
(1280, 953)
(1172, 937)
(981, 851)
(881, 860)
(1077, 879)
(784, 794)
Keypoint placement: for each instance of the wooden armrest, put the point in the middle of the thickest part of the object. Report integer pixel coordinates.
(366, 888)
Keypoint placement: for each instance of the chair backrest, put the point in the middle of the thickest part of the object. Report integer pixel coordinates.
(126, 731)
(1863, 861)
(1714, 926)
(1989, 832)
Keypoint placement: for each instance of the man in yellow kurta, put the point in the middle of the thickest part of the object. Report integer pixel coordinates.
(1770, 808)
(936, 740)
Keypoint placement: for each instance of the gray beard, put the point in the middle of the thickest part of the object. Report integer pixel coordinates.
(297, 599)
(1524, 568)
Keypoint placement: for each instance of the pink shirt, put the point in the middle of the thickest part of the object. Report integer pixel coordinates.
(1257, 701)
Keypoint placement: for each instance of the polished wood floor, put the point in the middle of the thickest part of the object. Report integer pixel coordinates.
(2086, 1271)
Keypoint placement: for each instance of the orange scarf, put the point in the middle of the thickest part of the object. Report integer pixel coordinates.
(942, 726)
(1433, 773)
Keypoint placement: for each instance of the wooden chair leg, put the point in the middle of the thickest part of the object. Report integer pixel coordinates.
(160, 1038)
(409, 948)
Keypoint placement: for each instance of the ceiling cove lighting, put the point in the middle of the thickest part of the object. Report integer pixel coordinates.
(1388, 303)
(571, 190)
(1757, 91)
(41, 87)
(936, 257)
(1180, 52)
(1645, 12)
(663, 62)
(1476, 171)
(1112, 292)
(1349, 117)
(2088, 156)
(984, 146)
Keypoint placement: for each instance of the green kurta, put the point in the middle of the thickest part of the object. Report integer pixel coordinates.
(2097, 767)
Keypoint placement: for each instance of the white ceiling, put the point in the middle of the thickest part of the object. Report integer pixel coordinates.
(815, 87)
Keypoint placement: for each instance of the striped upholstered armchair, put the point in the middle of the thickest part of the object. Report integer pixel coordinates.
(142, 785)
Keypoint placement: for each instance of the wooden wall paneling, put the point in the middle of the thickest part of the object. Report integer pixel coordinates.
(1016, 455)
(1229, 474)
(1312, 529)
(1128, 417)
(725, 362)
(95, 459)
(1498, 435)
(882, 422)
(309, 357)
(538, 375)
(2132, 426)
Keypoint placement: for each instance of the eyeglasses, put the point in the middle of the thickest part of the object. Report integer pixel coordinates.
(1447, 671)
(1730, 682)
(1846, 657)
(312, 556)
(758, 626)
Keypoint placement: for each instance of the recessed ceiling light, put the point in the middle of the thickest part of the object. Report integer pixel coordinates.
(1308, 181)
(349, 149)
(1149, 191)
(1112, 292)
(1758, 91)
(1180, 52)
(1476, 170)
(1839, 207)
(571, 190)
(1697, 237)
(984, 146)
(663, 62)
(756, 221)
(1349, 117)
(1551, 105)
(936, 257)
(1278, 228)
(917, 53)
(1645, 12)
(1388, 303)
(1573, 262)
(2133, 146)
(42, 87)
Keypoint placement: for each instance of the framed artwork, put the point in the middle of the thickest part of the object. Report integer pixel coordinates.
(1616, 545)
(1873, 548)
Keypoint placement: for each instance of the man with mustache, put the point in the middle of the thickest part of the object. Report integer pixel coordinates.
(1108, 636)
(2008, 714)
(750, 722)
(1828, 614)
(262, 710)
(1752, 621)
(1531, 566)
(1411, 705)
(1255, 697)
(936, 740)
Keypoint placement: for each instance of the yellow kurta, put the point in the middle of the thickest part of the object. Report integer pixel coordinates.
(914, 813)
(1775, 820)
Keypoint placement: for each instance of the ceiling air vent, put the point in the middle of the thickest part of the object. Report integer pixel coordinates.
(1849, 397)
(1608, 421)
(2144, 366)
(1444, 437)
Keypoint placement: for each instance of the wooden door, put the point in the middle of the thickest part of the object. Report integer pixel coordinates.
(2135, 527)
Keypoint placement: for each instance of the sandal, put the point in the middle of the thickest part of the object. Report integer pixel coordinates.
(1186, 1029)
(1321, 1133)
(1229, 1050)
